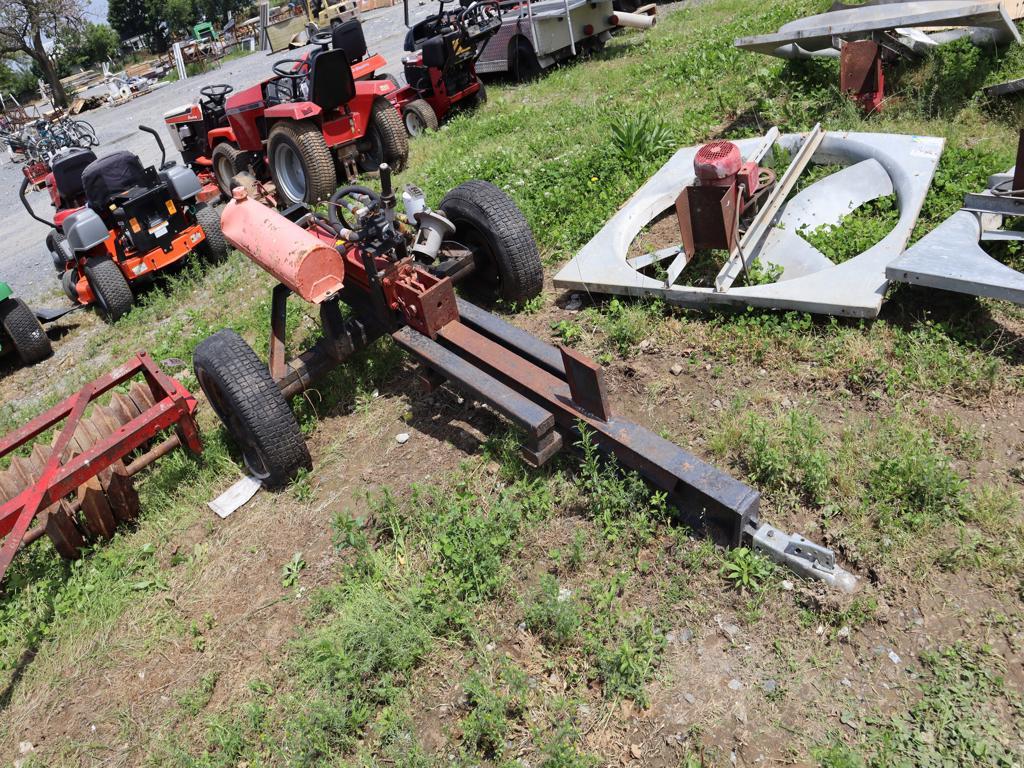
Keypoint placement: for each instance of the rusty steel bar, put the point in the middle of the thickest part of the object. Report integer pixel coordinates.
(701, 491)
(523, 412)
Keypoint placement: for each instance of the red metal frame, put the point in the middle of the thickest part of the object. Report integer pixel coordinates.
(862, 74)
(173, 406)
(36, 172)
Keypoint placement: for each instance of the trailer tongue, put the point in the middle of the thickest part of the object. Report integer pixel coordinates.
(392, 270)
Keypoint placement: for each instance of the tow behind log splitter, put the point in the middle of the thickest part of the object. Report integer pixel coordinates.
(396, 272)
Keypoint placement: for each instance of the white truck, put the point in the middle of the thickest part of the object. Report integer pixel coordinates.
(537, 35)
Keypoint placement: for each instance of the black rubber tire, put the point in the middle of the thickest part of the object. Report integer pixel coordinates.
(228, 159)
(60, 251)
(524, 63)
(108, 284)
(69, 282)
(215, 247)
(492, 226)
(249, 403)
(25, 331)
(625, 6)
(387, 129)
(419, 113)
(479, 98)
(317, 164)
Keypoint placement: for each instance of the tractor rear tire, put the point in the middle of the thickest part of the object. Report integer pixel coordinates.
(386, 135)
(492, 226)
(228, 161)
(215, 247)
(300, 149)
(25, 331)
(419, 117)
(249, 403)
(110, 288)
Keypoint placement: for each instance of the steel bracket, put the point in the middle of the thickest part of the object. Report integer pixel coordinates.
(802, 556)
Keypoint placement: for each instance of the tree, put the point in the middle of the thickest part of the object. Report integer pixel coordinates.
(16, 76)
(23, 26)
(131, 17)
(85, 47)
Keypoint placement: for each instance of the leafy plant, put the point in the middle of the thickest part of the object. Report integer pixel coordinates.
(786, 454)
(640, 137)
(552, 614)
(746, 569)
(626, 667)
(486, 726)
(914, 486)
(291, 570)
(568, 332)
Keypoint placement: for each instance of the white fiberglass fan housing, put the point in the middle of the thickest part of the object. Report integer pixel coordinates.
(875, 165)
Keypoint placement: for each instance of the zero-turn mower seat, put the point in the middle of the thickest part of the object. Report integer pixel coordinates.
(435, 52)
(348, 36)
(67, 170)
(111, 175)
(330, 78)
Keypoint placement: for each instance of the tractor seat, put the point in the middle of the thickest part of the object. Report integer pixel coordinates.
(111, 176)
(330, 79)
(349, 37)
(67, 170)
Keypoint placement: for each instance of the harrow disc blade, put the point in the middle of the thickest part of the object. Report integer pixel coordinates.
(61, 528)
(121, 494)
(97, 516)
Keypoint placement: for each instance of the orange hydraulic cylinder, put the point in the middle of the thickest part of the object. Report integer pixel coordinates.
(310, 268)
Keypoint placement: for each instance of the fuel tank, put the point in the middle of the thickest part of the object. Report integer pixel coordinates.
(312, 269)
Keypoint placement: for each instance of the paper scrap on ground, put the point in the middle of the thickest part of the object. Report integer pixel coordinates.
(235, 496)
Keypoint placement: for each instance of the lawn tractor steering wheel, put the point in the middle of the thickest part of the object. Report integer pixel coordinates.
(480, 14)
(299, 70)
(323, 37)
(216, 94)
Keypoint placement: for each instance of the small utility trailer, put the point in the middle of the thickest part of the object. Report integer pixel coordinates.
(537, 35)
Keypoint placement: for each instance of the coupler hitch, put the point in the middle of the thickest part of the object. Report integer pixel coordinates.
(375, 262)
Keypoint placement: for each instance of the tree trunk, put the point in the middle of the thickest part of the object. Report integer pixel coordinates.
(42, 57)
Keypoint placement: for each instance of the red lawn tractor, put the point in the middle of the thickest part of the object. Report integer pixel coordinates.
(117, 222)
(310, 125)
(441, 72)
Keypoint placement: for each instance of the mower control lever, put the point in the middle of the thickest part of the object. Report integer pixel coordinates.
(28, 207)
(159, 143)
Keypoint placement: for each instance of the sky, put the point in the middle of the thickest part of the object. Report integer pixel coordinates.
(96, 11)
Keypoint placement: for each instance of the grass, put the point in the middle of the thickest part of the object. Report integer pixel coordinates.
(952, 723)
(528, 610)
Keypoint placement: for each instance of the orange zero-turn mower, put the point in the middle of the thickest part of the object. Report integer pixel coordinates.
(117, 222)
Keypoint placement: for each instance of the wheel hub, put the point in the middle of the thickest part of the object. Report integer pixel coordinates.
(291, 176)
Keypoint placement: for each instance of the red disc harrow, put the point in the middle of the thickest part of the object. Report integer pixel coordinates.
(80, 487)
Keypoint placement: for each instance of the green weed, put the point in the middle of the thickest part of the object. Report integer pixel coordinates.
(552, 614)
(952, 723)
(627, 666)
(745, 569)
(640, 137)
(291, 570)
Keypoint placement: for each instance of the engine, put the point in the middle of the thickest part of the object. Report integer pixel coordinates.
(725, 189)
